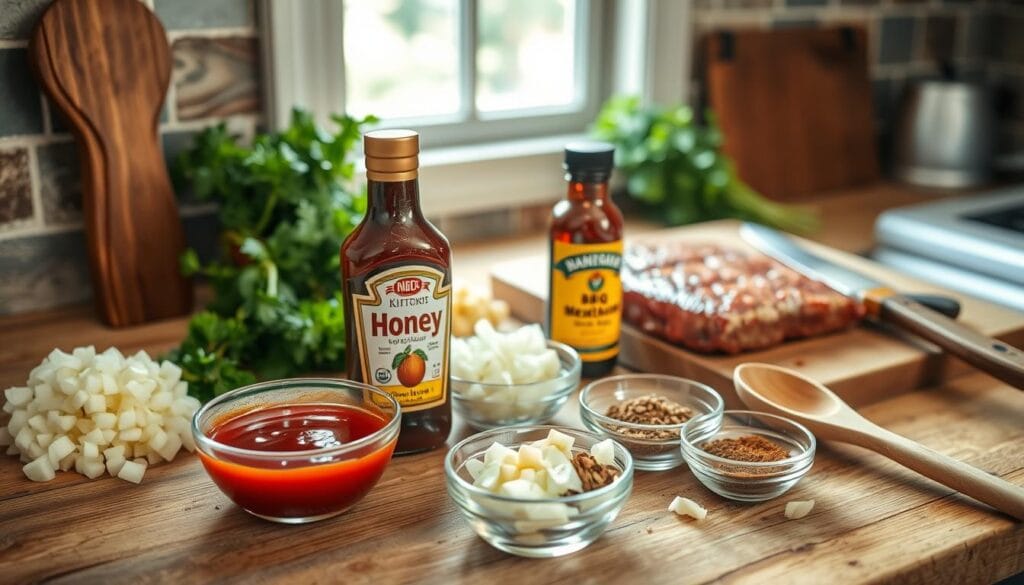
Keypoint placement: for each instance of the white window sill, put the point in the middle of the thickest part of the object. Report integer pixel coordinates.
(460, 180)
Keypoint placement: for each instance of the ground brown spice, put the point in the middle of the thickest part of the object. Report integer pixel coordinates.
(746, 448)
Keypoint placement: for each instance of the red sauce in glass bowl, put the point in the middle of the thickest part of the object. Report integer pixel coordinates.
(289, 488)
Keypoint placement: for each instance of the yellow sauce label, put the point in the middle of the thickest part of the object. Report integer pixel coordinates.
(585, 298)
(402, 329)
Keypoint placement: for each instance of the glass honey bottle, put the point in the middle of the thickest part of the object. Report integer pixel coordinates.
(585, 292)
(396, 277)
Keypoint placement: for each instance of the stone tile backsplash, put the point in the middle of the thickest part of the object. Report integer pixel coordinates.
(60, 184)
(17, 17)
(42, 271)
(896, 40)
(42, 245)
(15, 186)
(215, 76)
(21, 107)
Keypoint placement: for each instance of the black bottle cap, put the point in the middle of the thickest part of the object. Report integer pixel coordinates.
(591, 160)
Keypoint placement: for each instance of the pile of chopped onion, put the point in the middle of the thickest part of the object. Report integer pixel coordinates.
(517, 357)
(511, 373)
(98, 413)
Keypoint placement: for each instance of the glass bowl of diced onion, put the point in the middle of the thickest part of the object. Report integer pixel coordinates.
(511, 379)
(518, 521)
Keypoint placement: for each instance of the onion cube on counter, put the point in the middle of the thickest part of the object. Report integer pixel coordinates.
(687, 507)
(39, 469)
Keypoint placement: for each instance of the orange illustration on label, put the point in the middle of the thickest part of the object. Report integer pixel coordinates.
(410, 366)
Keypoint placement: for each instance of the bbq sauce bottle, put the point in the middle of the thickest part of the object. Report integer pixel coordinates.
(585, 293)
(396, 276)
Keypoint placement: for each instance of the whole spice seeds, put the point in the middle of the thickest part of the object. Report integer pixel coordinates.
(752, 448)
(649, 410)
(593, 474)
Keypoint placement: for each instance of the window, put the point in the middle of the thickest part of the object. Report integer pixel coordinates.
(473, 69)
(499, 85)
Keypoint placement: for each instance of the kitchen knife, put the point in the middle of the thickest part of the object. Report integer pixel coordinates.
(990, 355)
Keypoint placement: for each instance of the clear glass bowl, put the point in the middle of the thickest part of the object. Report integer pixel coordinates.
(295, 487)
(535, 528)
(487, 406)
(654, 447)
(749, 481)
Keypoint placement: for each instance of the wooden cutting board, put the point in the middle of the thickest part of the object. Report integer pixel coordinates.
(864, 364)
(105, 65)
(794, 106)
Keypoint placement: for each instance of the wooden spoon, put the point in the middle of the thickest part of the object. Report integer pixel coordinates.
(784, 392)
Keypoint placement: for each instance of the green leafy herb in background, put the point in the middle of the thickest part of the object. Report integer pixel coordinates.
(286, 205)
(676, 169)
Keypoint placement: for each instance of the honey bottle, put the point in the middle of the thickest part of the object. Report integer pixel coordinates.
(585, 292)
(396, 278)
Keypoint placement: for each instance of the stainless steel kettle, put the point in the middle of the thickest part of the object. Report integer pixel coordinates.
(945, 134)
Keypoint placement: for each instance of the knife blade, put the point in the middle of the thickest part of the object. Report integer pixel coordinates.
(782, 248)
(842, 280)
(884, 304)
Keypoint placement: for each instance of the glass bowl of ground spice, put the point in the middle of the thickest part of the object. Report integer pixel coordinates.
(750, 456)
(646, 414)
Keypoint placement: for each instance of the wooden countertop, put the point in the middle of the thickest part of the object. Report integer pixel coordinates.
(873, 520)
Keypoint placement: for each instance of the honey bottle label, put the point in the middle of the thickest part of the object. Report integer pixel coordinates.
(402, 330)
(585, 298)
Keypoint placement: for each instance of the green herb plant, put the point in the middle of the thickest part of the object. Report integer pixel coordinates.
(286, 204)
(676, 169)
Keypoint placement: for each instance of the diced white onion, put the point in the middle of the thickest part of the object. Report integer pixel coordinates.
(92, 412)
(687, 507)
(39, 469)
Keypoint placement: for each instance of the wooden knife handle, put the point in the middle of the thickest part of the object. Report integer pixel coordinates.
(995, 357)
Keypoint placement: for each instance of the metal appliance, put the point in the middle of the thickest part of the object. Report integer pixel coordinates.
(972, 244)
(945, 134)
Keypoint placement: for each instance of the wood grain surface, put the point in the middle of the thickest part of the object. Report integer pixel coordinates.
(864, 364)
(105, 65)
(794, 106)
(872, 521)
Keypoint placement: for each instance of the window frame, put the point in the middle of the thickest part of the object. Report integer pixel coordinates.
(638, 39)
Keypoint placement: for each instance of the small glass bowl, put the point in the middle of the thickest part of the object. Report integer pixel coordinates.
(749, 481)
(660, 452)
(542, 528)
(487, 406)
(296, 487)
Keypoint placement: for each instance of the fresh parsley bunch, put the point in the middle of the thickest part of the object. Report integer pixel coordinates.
(286, 205)
(677, 171)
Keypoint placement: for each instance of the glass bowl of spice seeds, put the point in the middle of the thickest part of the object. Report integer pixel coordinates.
(646, 414)
(751, 456)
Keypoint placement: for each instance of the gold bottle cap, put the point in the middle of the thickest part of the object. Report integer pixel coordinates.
(391, 155)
